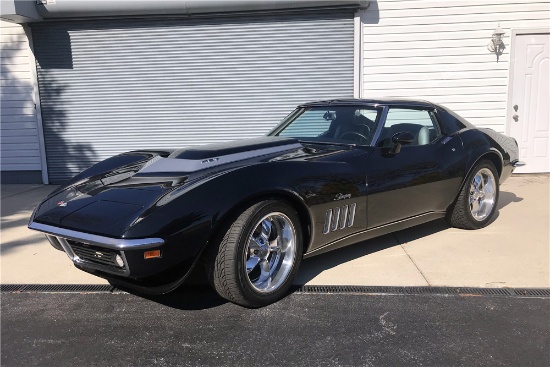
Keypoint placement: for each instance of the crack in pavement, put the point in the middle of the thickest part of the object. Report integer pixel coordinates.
(415, 265)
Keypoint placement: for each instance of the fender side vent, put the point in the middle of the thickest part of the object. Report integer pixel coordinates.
(339, 218)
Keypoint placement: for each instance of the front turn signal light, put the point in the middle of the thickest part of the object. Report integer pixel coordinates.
(151, 254)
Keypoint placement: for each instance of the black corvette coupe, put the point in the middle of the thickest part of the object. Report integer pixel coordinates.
(333, 173)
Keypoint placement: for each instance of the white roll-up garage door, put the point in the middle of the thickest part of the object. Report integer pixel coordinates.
(109, 86)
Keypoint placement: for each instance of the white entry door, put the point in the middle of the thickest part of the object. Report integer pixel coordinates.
(529, 118)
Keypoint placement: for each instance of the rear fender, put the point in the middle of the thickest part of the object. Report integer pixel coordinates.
(493, 155)
(477, 148)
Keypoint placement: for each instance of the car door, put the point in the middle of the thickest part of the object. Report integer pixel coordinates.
(415, 178)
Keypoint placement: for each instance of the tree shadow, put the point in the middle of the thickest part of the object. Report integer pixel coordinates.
(22, 203)
(8, 247)
(66, 155)
(19, 139)
(16, 211)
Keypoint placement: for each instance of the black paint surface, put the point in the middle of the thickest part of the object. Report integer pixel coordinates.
(193, 328)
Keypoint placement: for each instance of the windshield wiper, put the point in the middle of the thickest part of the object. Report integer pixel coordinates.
(350, 146)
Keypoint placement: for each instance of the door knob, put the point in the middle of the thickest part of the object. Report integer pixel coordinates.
(516, 107)
(515, 117)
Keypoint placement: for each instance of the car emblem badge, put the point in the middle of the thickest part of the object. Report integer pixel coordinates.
(210, 160)
(342, 196)
(62, 203)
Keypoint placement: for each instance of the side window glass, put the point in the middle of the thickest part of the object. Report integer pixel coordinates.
(417, 122)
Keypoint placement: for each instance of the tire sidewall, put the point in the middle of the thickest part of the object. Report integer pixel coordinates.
(258, 299)
(490, 166)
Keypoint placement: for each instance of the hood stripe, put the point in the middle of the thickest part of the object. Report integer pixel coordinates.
(192, 165)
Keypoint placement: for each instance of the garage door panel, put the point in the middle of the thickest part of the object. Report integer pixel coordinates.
(109, 86)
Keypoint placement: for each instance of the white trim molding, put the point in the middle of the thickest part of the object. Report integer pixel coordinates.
(358, 54)
(38, 110)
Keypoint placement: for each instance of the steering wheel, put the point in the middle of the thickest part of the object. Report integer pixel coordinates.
(363, 137)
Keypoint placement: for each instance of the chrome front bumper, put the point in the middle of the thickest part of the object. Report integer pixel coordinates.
(93, 251)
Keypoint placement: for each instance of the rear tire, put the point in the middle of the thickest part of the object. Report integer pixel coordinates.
(477, 202)
(254, 262)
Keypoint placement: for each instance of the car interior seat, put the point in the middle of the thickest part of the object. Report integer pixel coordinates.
(389, 132)
(423, 137)
(358, 124)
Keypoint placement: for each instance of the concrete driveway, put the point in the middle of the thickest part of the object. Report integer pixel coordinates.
(513, 251)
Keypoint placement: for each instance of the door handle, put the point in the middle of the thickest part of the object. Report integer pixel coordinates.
(515, 117)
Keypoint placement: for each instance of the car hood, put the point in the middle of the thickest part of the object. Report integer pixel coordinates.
(213, 155)
(109, 203)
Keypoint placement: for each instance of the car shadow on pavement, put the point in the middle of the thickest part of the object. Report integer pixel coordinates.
(310, 268)
(196, 293)
(188, 297)
(506, 198)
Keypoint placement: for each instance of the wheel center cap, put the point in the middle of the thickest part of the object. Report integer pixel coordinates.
(264, 247)
(478, 195)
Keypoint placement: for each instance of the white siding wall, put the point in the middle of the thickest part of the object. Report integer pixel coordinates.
(20, 148)
(437, 50)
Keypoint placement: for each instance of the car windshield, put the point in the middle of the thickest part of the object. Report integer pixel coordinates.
(331, 124)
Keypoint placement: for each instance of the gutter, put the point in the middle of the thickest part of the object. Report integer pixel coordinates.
(24, 11)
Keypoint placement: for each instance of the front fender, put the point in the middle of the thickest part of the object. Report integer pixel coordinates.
(190, 219)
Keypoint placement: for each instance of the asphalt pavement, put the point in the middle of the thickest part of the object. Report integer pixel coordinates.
(196, 328)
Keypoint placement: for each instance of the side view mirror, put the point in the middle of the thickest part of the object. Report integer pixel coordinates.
(399, 139)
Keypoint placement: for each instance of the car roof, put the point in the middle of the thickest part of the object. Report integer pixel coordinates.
(371, 102)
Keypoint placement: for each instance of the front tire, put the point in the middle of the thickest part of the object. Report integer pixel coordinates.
(477, 202)
(258, 256)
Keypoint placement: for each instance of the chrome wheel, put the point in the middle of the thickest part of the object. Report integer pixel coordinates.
(270, 252)
(257, 255)
(482, 194)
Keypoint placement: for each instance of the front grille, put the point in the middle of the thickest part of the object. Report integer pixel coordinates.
(102, 258)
